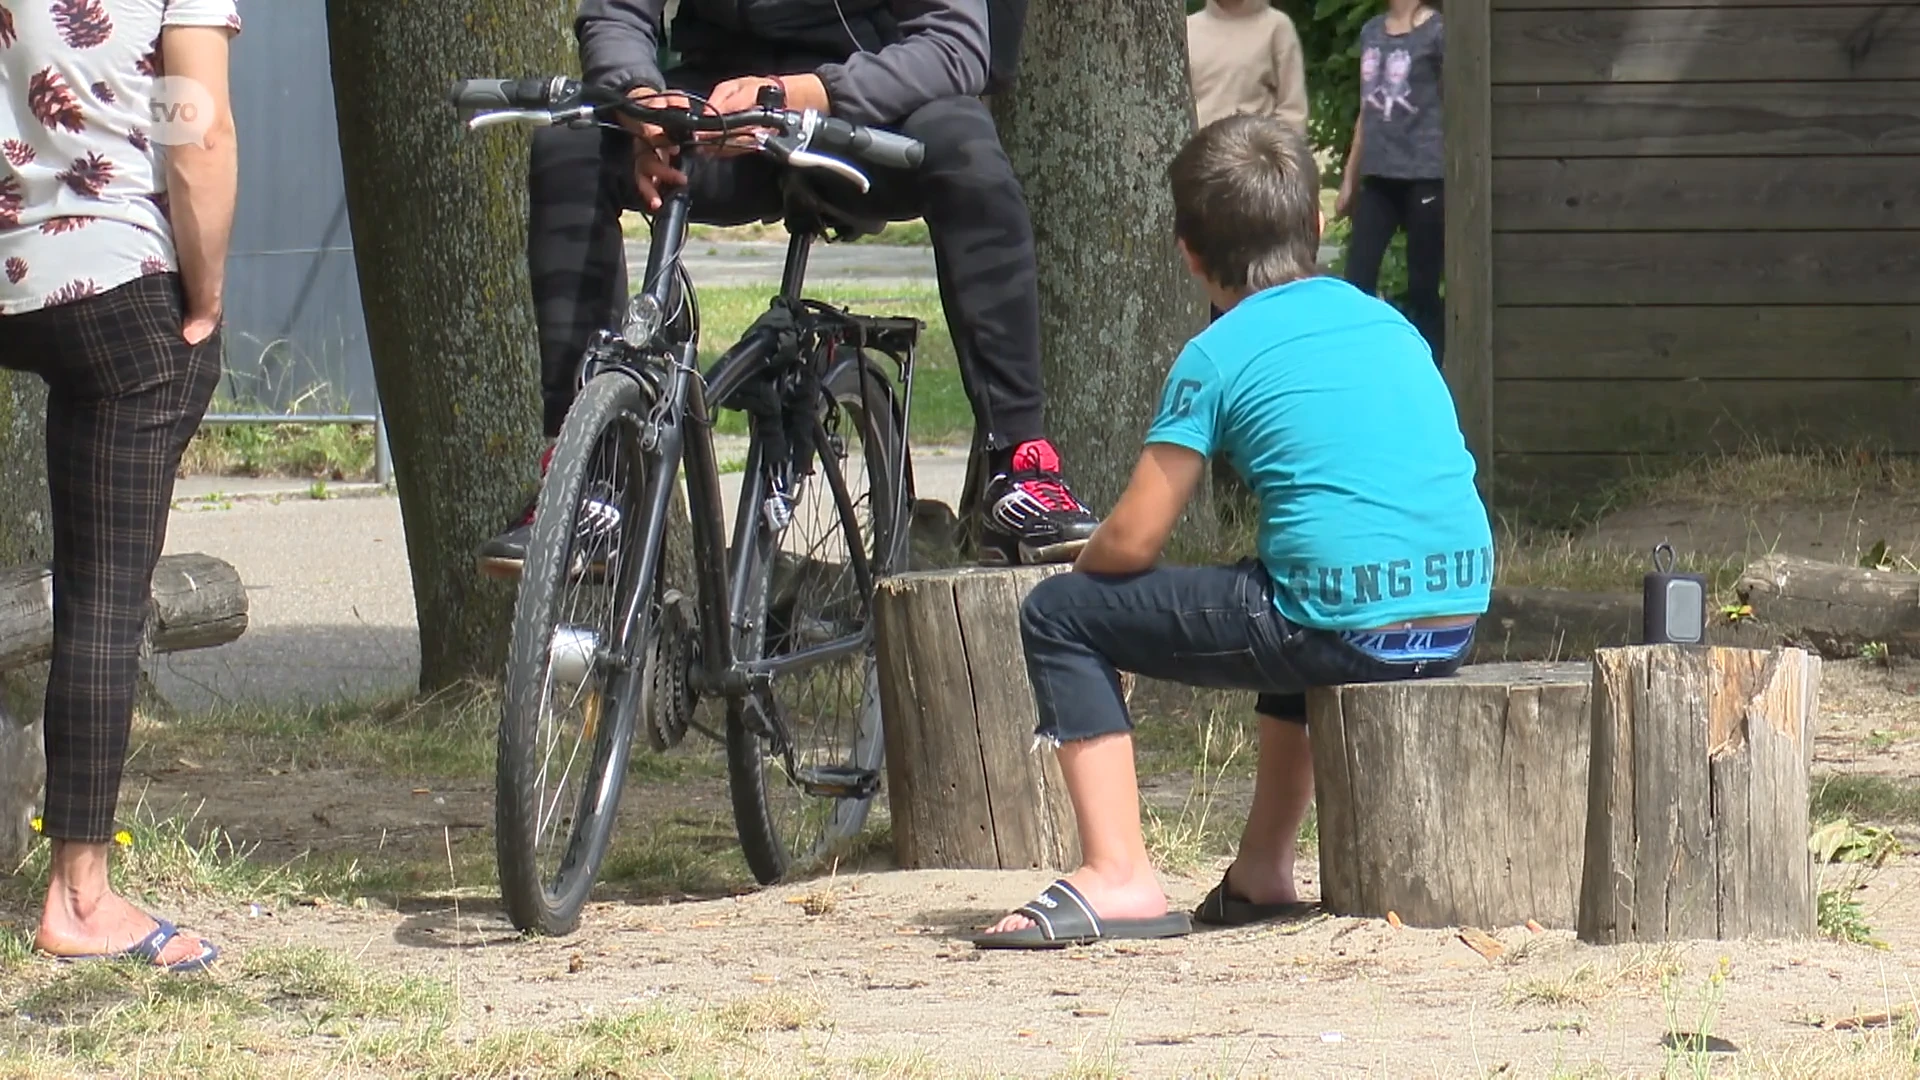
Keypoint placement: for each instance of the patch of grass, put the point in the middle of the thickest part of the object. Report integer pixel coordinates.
(1639, 970)
(1554, 558)
(1195, 835)
(897, 234)
(1858, 851)
(687, 853)
(337, 452)
(173, 855)
(326, 984)
(940, 413)
(1882, 799)
(449, 735)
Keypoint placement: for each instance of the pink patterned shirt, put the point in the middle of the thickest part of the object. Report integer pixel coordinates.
(82, 178)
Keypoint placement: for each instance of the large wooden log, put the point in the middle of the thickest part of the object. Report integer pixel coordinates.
(1453, 801)
(1697, 799)
(198, 602)
(1836, 609)
(965, 783)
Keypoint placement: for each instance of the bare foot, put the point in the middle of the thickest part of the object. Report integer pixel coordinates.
(1244, 882)
(1135, 897)
(106, 926)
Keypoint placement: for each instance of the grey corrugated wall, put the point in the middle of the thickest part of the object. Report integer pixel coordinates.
(295, 336)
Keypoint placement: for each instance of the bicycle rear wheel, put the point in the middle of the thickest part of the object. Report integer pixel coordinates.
(567, 724)
(796, 803)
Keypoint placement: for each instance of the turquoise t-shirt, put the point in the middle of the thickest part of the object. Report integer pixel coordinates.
(1327, 402)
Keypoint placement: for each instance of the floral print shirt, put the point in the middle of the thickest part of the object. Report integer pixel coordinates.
(83, 203)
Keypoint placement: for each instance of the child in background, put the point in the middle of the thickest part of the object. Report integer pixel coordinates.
(1375, 554)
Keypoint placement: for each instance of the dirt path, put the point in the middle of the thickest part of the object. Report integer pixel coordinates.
(878, 955)
(881, 961)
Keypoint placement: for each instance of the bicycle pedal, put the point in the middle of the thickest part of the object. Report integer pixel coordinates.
(840, 782)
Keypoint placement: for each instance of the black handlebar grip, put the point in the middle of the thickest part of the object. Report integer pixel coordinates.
(502, 93)
(889, 149)
(883, 148)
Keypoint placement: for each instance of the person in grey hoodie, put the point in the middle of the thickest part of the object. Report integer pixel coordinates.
(915, 66)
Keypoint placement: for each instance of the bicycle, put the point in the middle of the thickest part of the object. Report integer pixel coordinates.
(779, 620)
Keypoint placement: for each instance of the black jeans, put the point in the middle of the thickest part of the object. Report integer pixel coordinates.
(1214, 627)
(1382, 207)
(125, 393)
(580, 180)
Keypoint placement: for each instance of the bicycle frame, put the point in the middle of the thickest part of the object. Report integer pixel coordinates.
(685, 398)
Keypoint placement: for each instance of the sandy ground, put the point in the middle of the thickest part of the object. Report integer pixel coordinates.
(883, 953)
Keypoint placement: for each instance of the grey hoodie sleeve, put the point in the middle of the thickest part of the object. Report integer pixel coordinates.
(620, 43)
(942, 52)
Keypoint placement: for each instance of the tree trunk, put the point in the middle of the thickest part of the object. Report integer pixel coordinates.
(1697, 801)
(1101, 106)
(965, 788)
(25, 540)
(439, 232)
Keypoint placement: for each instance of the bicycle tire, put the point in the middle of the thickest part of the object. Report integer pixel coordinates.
(769, 854)
(610, 407)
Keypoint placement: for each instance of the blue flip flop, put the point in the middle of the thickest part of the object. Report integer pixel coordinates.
(149, 949)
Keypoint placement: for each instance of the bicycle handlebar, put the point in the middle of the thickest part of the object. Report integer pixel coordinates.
(803, 139)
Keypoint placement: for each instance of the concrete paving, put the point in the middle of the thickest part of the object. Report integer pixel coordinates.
(331, 599)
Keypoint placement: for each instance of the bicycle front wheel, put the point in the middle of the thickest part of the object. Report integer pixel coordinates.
(568, 717)
(805, 754)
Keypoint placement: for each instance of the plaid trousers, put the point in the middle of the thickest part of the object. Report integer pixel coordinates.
(125, 393)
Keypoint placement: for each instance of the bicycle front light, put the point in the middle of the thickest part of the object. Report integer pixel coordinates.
(643, 320)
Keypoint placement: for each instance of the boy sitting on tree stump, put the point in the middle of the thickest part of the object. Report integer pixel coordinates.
(1375, 555)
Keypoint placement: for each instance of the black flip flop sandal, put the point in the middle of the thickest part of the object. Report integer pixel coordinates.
(1222, 908)
(1062, 917)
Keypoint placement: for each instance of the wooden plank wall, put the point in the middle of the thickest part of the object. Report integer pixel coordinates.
(1704, 229)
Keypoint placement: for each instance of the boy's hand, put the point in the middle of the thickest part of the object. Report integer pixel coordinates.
(1131, 539)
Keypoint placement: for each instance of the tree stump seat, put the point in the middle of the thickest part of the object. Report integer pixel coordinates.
(1457, 801)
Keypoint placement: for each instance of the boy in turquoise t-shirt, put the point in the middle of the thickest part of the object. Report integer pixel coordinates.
(1375, 554)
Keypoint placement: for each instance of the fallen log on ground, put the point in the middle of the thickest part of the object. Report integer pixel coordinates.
(198, 602)
(1836, 609)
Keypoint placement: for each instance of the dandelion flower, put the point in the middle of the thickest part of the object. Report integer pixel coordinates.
(123, 838)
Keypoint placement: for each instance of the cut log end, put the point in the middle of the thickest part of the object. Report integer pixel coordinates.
(198, 602)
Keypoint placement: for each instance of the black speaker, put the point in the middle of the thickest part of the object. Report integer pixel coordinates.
(1674, 609)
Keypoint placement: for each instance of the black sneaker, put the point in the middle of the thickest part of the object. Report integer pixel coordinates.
(505, 554)
(1032, 516)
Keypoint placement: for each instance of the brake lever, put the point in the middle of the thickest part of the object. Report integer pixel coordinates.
(509, 116)
(807, 159)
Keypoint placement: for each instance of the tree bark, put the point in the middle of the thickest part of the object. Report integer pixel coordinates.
(439, 232)
(26, 539)
(1101, 105)
(1698, 795)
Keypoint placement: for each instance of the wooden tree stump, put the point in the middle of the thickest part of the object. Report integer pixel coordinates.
(1453, 802)
(965, 783)
(198, 602)
(1697, 809)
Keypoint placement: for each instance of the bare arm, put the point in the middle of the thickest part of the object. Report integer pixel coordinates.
(1131, 539)
(1350, 176)
(203, 180)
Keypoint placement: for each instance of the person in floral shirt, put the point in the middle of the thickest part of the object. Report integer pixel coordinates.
(118, 173)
